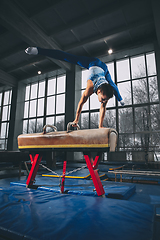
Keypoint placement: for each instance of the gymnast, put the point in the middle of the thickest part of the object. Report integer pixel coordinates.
(99, 79)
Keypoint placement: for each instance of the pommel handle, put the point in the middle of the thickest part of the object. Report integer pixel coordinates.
(70, 124)
(44, 129)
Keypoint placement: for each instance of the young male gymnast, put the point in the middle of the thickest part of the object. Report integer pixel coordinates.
(99, 79)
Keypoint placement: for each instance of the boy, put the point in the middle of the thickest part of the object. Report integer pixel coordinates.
(99, 79)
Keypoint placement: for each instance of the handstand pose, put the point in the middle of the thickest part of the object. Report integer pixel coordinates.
(99, 79)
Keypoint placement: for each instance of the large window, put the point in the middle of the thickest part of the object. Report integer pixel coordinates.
(44, 104)
(138, 122)
(5, 107)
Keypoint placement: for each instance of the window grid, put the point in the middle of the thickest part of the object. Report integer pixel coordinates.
(5, 107)
(35, 111)
(138, 84)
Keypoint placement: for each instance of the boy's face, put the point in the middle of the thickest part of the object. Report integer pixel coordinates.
(102, 98)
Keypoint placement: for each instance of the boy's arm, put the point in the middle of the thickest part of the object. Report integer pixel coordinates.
(86, 94)
(102, 114)
(116, 91)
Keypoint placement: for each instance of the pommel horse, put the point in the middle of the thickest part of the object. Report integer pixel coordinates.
(86, 141)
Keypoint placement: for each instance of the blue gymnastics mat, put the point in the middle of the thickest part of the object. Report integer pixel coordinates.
(82, 187)
(34, 214)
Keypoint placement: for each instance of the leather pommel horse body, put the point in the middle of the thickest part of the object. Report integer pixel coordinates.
(86, 141)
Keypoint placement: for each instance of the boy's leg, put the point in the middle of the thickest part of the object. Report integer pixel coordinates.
(60, 55)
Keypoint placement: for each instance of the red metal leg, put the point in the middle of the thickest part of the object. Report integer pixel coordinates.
(35, 160)
(96, 162)
(63, 176)
(94, 174)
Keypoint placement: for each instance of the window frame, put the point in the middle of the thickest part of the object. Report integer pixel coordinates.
(37, 118)
(132, 105)
(6, 121)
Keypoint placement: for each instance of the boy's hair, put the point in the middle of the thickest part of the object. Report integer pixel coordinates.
(107, 90)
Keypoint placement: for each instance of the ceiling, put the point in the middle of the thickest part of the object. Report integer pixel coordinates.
(82, 27)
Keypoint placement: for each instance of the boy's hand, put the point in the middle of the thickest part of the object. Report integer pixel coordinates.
(75, 123)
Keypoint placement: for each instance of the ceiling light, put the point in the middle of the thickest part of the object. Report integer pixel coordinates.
(39, 72)
(110, 51)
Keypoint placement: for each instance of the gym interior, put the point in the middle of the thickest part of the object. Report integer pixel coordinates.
(89, 191)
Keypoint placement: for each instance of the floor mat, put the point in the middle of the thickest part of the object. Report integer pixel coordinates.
(83, 187)
(33, 214)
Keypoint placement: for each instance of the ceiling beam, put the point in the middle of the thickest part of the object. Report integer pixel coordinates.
(16, 21)
(13, 51)
(109, 9)
(40, 9)
(127, 47)
(35, 60)
(7, 79)
(45, 73)
(108, 35)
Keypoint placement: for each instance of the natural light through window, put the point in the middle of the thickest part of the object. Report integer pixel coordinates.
(44, 104)
(137, 122)
(5, 107)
